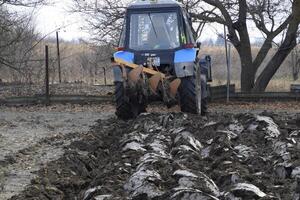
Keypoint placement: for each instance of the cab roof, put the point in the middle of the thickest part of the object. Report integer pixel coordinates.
(154, 4)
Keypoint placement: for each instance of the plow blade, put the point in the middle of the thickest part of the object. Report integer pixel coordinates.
(157, 82)
(174, 87)
(154, 81)
(135, 74)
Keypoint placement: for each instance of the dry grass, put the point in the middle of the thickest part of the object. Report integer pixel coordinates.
(275, 85)
(280, 82)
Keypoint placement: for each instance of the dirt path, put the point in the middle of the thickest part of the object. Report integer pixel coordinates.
(30, 139)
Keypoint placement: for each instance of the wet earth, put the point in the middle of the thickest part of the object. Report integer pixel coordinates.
(31, 137)
(158, 156)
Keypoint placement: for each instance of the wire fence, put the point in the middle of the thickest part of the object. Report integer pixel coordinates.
(80, 76)
(75, 75)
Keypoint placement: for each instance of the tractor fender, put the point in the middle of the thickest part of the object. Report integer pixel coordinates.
(184, 62)
(126, 56)
(118, 77)
(184, 69)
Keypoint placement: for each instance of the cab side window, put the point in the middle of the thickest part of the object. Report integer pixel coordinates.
(188, 30)
(122, 37)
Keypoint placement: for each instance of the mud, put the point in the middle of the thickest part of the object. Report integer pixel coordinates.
(178, 156)
(29, 140)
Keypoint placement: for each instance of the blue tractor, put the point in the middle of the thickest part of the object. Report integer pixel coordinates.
(158, 59)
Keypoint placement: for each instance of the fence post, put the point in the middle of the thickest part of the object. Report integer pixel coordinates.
(104, 72)
(58, 57)
(228, 71)
(47, 75)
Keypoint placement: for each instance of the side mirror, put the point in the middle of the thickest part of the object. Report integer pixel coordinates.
(205, 65)
(198, 45)
(112, 59)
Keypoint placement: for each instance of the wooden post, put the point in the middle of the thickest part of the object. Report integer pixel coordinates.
(58, 57)
(229, 71)
(104, 73)
(227, 63)
(47, 75)
(95, 75)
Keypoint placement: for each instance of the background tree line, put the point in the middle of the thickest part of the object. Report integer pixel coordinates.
(272, 19)
(254, 64)
(17, 35)
(22, 49)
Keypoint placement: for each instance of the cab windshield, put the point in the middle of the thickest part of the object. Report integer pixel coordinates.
(154, 31)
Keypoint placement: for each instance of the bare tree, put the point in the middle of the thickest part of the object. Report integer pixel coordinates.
(295, 61)
(27, 3)
(17, 35)
(104, 18)
(271, 18)
(93, 60)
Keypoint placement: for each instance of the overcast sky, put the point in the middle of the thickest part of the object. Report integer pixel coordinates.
(49, 18)
(56, 15)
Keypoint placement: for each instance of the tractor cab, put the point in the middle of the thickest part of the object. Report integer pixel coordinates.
(158, 55)
(155, 30)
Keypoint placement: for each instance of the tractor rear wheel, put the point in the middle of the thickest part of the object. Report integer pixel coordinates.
(204, 106)
(126, 107)
(189, 99)
(190, 93)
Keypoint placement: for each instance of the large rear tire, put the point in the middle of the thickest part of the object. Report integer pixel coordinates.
(189, 99)
(204, 106)
(126, 108)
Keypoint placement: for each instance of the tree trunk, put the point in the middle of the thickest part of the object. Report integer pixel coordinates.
(287, 46)
(247, 68)
(247, 73)
(244, 50)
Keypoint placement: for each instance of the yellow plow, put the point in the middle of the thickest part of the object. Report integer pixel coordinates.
(157, 82)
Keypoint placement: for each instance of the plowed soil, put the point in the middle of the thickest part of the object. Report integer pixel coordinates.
(225, 155)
